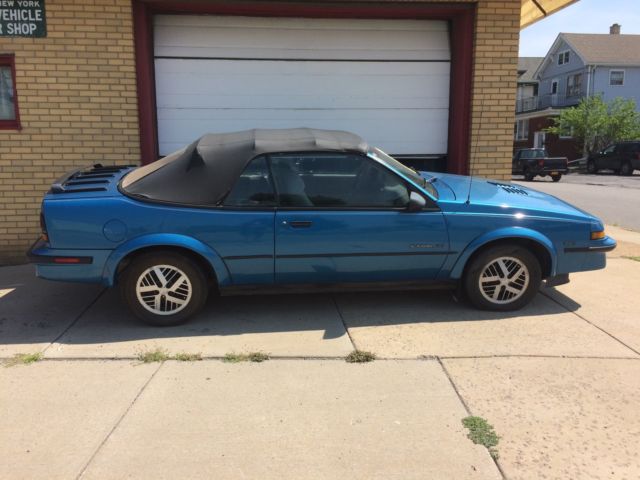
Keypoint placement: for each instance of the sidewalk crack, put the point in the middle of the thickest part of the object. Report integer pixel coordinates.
(118, 422)
(467, 409)
(344, 323)
(75, 320)
(592, 324)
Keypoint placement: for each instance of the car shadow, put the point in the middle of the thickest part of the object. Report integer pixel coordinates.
(98, 316)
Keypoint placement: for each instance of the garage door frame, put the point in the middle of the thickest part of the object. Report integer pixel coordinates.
(460, 16)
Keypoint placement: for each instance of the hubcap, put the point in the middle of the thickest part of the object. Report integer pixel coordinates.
(504, 280)
(163, 289)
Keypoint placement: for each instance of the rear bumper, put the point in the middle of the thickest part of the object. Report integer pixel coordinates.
(84, 266)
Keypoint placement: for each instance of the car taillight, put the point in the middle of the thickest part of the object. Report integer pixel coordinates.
(599, 235)
(637, 155)
(43, 228)
(541, 162)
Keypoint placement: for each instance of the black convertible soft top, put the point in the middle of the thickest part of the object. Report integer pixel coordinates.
(204, 172)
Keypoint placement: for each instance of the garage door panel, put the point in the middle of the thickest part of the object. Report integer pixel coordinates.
(224, 84)
(400, 131)
(247, 37)
(386, 80)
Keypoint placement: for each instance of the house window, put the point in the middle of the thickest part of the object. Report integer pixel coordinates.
(9, 118)
(566, 133)
(563, 58)
(554, 87)
(521, 130)
(616, 78)
(574, 85)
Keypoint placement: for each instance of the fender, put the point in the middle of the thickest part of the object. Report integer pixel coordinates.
(168, 240)
(503, 233)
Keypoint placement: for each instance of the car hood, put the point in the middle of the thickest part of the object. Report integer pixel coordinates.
(505, 196)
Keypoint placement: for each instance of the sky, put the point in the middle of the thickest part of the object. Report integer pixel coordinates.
(585, 16)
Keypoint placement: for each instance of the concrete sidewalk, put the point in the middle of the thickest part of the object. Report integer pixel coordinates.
(558, 380)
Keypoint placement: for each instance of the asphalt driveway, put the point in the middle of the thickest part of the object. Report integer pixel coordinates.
(613, 198)
(559, 381)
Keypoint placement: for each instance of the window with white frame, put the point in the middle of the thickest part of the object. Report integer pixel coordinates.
(616, 78)
(563, 57)
(566, 133)
(521, 130)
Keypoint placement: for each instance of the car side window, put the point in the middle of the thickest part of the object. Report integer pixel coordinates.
(254, 187)
(610, 149)
(336, 180)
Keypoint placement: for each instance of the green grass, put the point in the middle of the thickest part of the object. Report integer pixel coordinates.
(256, 357)
(360, 356)
(482, 432)
(637, 259)
(187, 357)
(156, 355)
(23, 359)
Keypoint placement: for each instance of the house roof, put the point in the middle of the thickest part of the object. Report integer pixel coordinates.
(527, 66)
(605, 49)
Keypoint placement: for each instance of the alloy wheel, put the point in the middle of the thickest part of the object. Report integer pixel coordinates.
(504, 280)
(163, 289)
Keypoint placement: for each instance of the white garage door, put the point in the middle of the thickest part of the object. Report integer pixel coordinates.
(386, 80)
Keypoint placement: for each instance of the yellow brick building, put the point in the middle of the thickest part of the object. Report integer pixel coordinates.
(85, 93)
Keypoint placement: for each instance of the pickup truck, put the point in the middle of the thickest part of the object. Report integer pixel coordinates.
(532, 162)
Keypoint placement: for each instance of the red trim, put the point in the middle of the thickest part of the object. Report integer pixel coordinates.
(10, 61)
(461, 17)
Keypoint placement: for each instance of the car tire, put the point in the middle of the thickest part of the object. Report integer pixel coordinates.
(626, 169)
(591, 167)
(556, 178)
(528, 176)
(502, 293)
(164, 288)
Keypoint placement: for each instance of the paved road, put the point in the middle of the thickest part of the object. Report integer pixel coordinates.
(613, 198)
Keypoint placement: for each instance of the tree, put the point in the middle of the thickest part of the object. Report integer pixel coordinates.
(595, 124)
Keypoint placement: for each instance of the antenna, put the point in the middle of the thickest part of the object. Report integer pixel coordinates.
(475, 150)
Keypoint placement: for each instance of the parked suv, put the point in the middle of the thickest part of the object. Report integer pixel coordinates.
(623, 158)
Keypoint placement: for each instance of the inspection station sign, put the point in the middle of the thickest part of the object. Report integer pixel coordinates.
(22, 18)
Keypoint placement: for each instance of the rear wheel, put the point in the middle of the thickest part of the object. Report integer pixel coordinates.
(528, 176)
(591, 167)
(556, 178)
(502, 278)
(626, 169)
(164, 288)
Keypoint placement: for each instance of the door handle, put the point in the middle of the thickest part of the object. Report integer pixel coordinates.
(301, 224)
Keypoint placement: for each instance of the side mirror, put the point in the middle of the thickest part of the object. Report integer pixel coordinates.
(416, 202)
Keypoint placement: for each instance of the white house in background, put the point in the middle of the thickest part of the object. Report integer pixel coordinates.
(577, 65)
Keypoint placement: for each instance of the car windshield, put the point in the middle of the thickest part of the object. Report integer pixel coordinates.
(410, 173)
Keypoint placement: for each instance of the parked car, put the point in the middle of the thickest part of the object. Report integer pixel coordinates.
(304, 210)
(623, 158)
(532, 162)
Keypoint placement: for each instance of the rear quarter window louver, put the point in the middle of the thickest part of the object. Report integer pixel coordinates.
(510, 188)
(92, 179)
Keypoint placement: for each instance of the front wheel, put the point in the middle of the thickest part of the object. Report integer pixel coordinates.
(164, 288)
(591, 167)
(556, 178)
(502, 278)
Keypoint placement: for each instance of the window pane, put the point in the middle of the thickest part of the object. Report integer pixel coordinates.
(253, 188)
(616, 77)
(7, 98)
(336, 180)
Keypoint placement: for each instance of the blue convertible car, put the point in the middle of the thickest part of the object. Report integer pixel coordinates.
(304, 209)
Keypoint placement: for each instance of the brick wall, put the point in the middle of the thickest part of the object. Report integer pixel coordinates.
(78, 103)
(494, 87)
